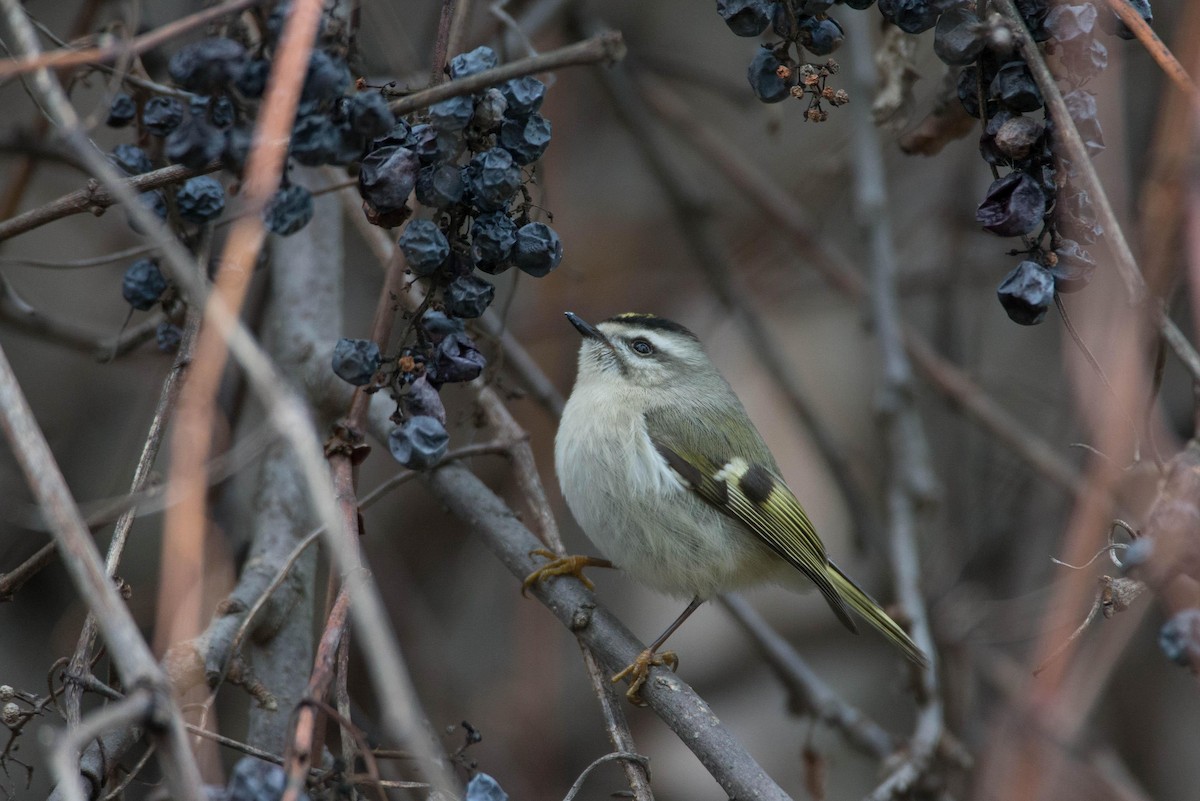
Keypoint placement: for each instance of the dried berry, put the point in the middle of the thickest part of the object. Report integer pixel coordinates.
(1026, 293)
(356, 361)
(1014, 205)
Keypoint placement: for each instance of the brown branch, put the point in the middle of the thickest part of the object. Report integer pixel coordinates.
(12, 581)
(1157, 49)
(95, 198)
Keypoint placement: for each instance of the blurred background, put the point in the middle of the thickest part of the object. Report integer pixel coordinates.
(481, 653)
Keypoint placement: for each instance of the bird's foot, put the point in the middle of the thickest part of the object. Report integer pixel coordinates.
(639, 671)
(562, 566)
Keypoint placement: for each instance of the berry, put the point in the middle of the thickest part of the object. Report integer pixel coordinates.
(1014, 205)
(348, 146)
(526, 139)
(538, 249)
(764, 77)
(492, 238)
(524, 96)
(121, 111)
(220, 111)
(493, 179)
(131, 158)
(1074, 267)
(1179, 638)
(235, 149)
(423, 400)
(483, 787)
(452, 115)
(424, 247)
(1026, 293)
(1081, 105)
(1077, 209)
(200, 199)
(369, 115)
(253, 80)
(194, 143)
(468, 297)
(745, 17)
(289, 210)
(959, 37)
(490, 109)
(399, 135)
(168, 336)
(386, 178)
(480, 59)
(434, 146)
(438, 325)
(439, 186)
(356, 361)
(326, 79)
(1016, 136)
(255, 780)
(1015, 88)
(314, 140)
(820, 36)
(143, 284)
(455, 360)
(910, 16)
(208, 66)
(419, 443)
(1113, 24)
(161, 115)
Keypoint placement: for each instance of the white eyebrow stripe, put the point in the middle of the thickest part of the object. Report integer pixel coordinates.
(628, 333)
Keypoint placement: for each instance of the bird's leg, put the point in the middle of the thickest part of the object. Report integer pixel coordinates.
(639, 671)
(563, 566)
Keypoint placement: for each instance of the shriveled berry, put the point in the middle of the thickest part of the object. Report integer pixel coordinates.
(478, 60)
(161, 115)
(526, 139)
(538, 249)
(910, 16)
(959, 36)
(524, 96)
(386, 178)
(194, 143)
(493, 179)
(399, 135)
(121, 111)
(419, 443)
(483, 787)
(439, 186)
(235, 149)
(1026, 293)
(492, 238)
(290, 209)
(468, 297)
(369, 114)
(1014, 205)
(356, 361)
(489, 110)
(220, 111)
(456, 359)
(422, 399)
(1017, 136)
(314, 140)
(209, 65)
(1073, 266)
(167, 337)
(131, 158)
(821, 35)
(745, 17)
(1081, 105)
(438, 325)
(1015, 88)
(433, 146)
(200, 199)
(424, 247)
(255, 780)
(1077, 210)
(453, 114)
(763, 75)
(253, 80)
(143, 284)
(326, 79)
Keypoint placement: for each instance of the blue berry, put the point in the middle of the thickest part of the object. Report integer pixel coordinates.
(419, 443)
(526, 139)
(255, 780)
(911, 16)
(452, 114)
(492, 238)
(121, 111)
(1015, 88)
(439, 186)
(493, 179)
(143, 284)
(468, 297)
(208, 66)
(220, 111)
(314, 140)
(386, 178)
(399, 135)
(764, 77)
(746, 17)
(235, 148)
(348, 146)
(438, 325)
(326, 79)
(1073, 267)
(959, 37)
(478, 60)
(490, 109)
(1179, 637)
(253, 80)
(131, 158)
(161, 115)
(194, 143)
(1026, 293)
(422, 399)
(433, 146)
(168, 336)
(290, 209)
(200, 199)
(356, 361)
(820, 36)
(456, 359)
(524, 96)
(538, 249)
(369, 115)
(424, 247)
(483, 787)
(1014, 205)
(1081, 105)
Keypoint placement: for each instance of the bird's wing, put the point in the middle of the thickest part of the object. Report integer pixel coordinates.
(741, 480)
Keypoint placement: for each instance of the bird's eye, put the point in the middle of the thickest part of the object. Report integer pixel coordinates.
(642, 347)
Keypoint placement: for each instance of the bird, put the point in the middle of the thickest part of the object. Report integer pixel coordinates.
(666, 474)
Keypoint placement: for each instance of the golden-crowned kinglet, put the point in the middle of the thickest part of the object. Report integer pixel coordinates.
(664, 471)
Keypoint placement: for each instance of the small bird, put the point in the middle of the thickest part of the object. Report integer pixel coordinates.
(664, 471)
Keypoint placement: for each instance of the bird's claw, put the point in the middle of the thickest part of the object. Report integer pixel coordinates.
(639, 671)
(562, 566)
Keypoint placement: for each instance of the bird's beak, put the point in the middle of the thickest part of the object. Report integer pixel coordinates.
(588, 330)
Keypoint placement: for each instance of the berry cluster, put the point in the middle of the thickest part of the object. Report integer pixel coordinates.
(467, 162)
(1035, 198)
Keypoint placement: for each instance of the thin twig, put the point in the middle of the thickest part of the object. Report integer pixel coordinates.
(12, 581)
(1157, 49)
(135, 707)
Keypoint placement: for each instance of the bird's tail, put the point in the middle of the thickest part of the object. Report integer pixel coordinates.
(873, 613)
